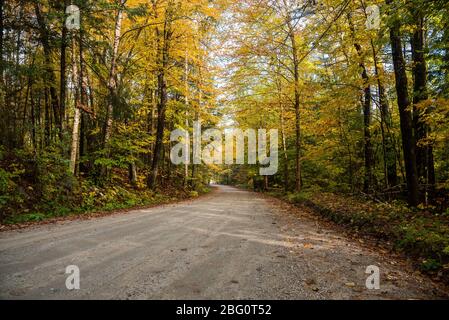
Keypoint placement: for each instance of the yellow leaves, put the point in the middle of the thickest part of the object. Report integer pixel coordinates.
(208, 10)
(435, 113)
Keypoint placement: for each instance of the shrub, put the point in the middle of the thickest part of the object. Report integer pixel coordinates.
(298, 197)
(193, 193)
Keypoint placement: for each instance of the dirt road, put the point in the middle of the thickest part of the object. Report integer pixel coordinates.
(231, 244)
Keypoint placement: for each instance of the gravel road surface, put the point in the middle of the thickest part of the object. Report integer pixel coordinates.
(230, 244)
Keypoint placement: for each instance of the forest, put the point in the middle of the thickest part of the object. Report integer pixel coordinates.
(358, 91)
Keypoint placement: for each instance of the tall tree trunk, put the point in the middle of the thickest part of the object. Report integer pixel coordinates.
(386, 126)
(424, 153)
(163, 47)
(49, 74)
(368, 147)
(187, 142)
(151, 119)
(161, 108)
(197, 118)
(297, 110)
(388, 143)
(47, 118)
(283, 136)
(284, 147)
(112, 81)
(83, 99)
(63, 67)
(33, 124)
(77, 116)
(369, 154)
(408, 139)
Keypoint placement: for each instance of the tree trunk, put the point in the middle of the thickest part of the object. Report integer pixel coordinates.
(369, 154)
(162, 103)
(368, 147)
(187, 142)
(83, 100)
(151, 119)
(424, 153)
(408, 139)
(133, 173)
(388, 144)
(49, 74)
(197, 117)
(47, 122)
(297, 111)
(112, 81)
(284, 148)
(391, 178)
(162, 85)
(63, 67)
(33, 124)
(76, 121)
(283, 137)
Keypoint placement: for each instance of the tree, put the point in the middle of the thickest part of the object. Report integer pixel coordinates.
(112, 80)
(424, 151)
(408, 138)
